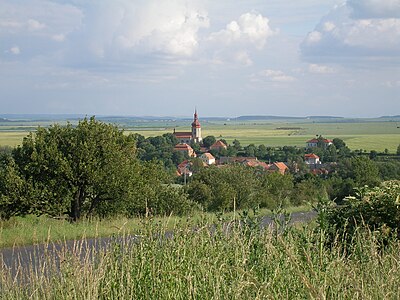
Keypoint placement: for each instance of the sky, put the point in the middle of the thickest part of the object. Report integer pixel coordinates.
(225, 57)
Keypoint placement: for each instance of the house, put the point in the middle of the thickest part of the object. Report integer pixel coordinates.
(190, 136)
(278, 167)
(218, 146)
(208, 159)
(312, 159)
(184, 168)
(316, 142)
(183, 137)
(186, 149)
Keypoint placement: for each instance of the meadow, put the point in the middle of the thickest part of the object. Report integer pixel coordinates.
(32, 230)
(358, 134)
(231, 261)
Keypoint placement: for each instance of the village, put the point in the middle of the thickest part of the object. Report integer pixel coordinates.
(213, 155)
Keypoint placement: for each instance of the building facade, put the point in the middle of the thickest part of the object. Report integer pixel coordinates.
(192, 136)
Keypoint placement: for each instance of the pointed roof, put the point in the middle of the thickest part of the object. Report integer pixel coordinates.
(311, 155)
(196, 122)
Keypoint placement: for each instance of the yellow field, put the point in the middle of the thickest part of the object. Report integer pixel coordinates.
(12, 138)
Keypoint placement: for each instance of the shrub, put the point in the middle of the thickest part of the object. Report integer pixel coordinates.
(375, 209)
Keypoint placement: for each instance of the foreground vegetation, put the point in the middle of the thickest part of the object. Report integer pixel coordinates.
(358, 258)
(236, 263)
(33, 230)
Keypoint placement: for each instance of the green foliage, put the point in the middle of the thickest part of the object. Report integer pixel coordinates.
(74, 170)
(389, 170)
(350, 173)
(209, 140)
(241, 187)
(375, 209)
(159, 148)
(309, 190)
(228, 185)
(15, 194)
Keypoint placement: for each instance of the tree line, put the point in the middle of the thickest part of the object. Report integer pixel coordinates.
(96, 169)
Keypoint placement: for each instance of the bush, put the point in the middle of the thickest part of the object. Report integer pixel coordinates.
(374, 209)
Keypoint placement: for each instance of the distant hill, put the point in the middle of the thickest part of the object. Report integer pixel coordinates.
(4, 120)
(390, 117)
(254, 118)
(324, 117)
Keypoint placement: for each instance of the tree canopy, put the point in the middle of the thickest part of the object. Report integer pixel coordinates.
(75, 169)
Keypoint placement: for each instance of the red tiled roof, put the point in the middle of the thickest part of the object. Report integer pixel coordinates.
(196, 122)
(183, 134)
(183, 164)
(182, 147)
(209, 156)
(326, 141)
(218, 144)
(280, 165)
(312, 141)
(311, 155)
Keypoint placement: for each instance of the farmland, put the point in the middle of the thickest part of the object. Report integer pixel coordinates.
(366, 134)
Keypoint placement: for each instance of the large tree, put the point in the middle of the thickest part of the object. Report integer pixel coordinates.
(80, 169)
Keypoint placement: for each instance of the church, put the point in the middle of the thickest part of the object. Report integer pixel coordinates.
(194, 135)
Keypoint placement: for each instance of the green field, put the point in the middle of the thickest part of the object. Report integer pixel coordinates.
(363, 135)
(357, 134)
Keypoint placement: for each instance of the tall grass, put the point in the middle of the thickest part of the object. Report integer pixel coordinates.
(31, 229)
(215, 262)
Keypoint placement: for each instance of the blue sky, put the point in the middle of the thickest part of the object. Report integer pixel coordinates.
(226, 57)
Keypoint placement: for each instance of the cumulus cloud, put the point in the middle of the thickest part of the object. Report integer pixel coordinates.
(249, 28)
(119, 28)
(239, 39)
(131, 36)
(358, 28)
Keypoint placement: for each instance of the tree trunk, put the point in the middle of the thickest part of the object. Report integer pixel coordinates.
(76, 204)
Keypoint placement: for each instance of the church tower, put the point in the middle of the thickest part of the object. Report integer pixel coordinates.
(196, 129)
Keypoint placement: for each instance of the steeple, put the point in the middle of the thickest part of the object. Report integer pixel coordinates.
(196, 123)
(196, 128)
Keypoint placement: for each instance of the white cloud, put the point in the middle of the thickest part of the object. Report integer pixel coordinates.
(58, 37)
(15, 50)
(243, 58)
(329, 26)
(314, 37)
(33, 25)
(11, 24)
(320, 69)
(249, 28)
(272, 75)
(236, 44)
(358, 28)
(117, 29)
